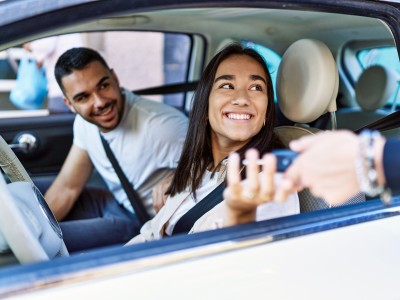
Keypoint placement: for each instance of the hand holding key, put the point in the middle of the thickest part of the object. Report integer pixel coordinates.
(243, 196)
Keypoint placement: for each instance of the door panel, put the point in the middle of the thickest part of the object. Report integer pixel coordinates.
(54, 139)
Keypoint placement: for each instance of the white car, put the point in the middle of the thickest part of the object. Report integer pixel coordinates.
(336, 65)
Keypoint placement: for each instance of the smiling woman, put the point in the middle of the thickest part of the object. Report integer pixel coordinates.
(248, 260)
(233, 110)
(238, 104)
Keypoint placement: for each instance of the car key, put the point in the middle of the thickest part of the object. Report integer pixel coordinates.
(284, 158)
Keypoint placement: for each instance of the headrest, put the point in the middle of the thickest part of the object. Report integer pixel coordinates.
(374, 87)
(286, 134)
(307, 82)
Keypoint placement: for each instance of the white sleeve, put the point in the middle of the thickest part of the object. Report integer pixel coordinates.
(214, 218)
(168, 133)
(79, 136)
(273, 209)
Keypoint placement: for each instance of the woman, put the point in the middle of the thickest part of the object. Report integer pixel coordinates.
(233, 111)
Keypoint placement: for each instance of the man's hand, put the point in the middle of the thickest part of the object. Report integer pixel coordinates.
(159, 193)
(326, 165)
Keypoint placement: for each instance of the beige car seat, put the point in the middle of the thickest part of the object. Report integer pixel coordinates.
(307, 86)
(373, 89)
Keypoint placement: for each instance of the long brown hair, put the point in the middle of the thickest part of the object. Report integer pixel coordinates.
(197, 153)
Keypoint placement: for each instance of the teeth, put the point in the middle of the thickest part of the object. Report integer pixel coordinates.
(238, 116)
(104, 112)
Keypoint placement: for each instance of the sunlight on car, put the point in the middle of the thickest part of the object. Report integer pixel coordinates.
(328, 62)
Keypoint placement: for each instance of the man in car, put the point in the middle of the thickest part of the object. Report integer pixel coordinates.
(143, 135)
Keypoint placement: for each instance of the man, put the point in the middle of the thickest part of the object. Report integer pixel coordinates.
(144, 136)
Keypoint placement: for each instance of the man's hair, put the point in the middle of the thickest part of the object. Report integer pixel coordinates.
(197, 154)
(75, 59)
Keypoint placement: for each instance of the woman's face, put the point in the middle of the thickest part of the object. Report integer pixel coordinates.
(238, 101)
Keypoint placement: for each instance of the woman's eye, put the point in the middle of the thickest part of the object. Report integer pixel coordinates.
(226, 86)
(256, 88)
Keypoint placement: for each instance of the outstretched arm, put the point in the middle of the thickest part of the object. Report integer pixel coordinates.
(67, 186)
(327, 165)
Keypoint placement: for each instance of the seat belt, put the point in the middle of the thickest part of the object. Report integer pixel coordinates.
(389, 122)
(187, 221)
(133, 196)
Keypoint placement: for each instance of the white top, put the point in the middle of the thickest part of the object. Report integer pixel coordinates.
(207, 185)
(180, 203)
(264, 212)
(150, 136)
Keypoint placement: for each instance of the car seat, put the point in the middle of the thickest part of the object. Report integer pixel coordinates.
(373, 89)
(307, 86)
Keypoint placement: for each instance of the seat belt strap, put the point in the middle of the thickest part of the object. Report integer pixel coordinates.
(389, 122)
(186, 222)
(133, 196)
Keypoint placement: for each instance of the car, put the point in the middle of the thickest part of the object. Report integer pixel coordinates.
(326, 58)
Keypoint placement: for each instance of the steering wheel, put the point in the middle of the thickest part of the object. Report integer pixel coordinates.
(26, 222)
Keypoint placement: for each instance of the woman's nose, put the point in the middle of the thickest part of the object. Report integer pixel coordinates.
(241, 98)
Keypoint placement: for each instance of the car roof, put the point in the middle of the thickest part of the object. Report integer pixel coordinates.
(274, 25)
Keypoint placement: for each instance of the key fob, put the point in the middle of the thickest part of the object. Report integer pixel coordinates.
(284, 158)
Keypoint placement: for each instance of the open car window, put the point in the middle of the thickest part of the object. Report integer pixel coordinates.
(158, 44)
(141, 60)
(272, 58)
(387, 57)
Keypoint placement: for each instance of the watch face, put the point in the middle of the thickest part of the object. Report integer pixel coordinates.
(47, 212)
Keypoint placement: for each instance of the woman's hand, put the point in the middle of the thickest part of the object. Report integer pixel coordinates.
(243, 197)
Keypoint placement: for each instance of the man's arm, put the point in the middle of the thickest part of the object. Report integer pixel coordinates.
(327, 165)
(168, 134)
(159, 192)
(69, 183)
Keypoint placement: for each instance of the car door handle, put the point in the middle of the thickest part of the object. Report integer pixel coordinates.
(25, 143)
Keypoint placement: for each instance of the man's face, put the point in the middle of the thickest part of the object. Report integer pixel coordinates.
(94, 93)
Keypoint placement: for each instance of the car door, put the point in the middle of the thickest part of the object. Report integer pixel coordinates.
(48, 137)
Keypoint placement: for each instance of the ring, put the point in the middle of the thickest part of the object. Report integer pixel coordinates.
(249, 195)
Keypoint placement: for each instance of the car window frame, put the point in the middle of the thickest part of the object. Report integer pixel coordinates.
(41, 270)
(101, 263)
(347, 56)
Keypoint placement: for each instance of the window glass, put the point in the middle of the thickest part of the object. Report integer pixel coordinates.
(176, 61)
(272, 59)
(140, 59)
(386, 57)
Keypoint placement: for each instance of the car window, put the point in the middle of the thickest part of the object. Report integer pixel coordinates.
(141, 60)
(272, 59)
(387, 57)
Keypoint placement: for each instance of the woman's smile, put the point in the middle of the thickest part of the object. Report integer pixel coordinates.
(238, 116)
